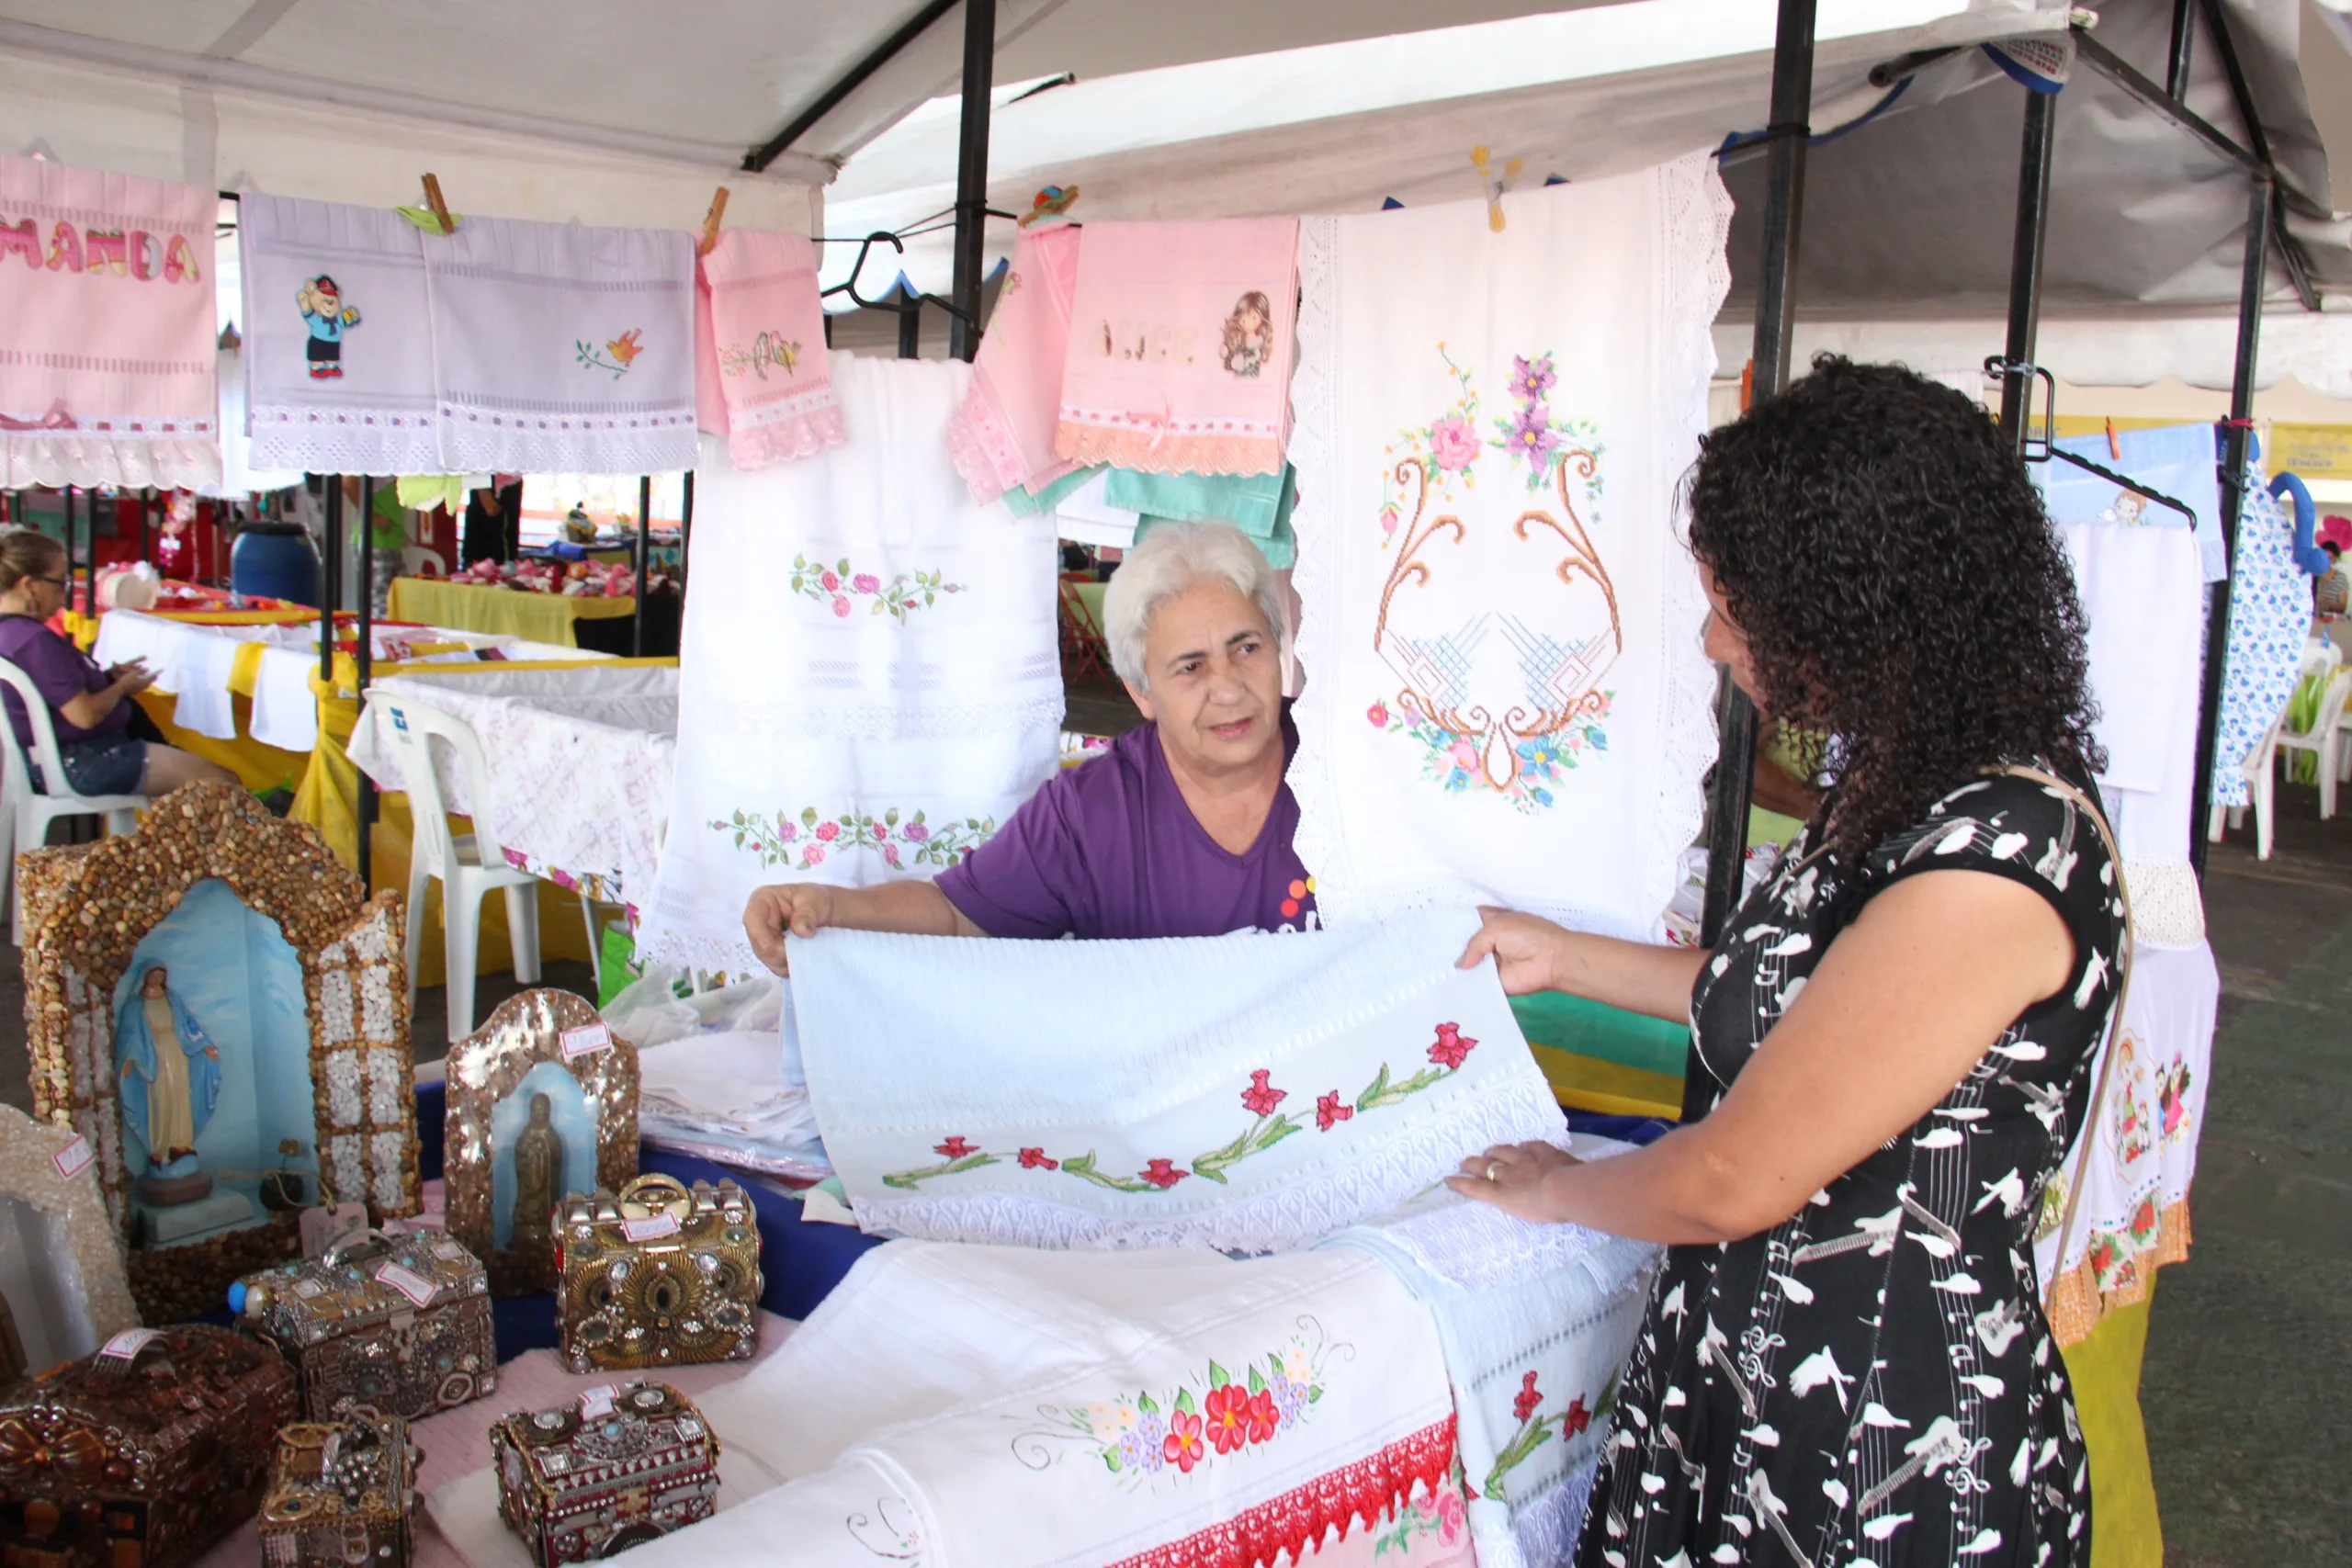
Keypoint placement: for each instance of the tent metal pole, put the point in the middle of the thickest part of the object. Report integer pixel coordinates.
(685, 549)
(768, 152)
(364, 658)
(1775, 330)
(644, 551)
(2184, 41)
(910, 322)
(147, 522)
(2235, 436)
(332, 514)
(2025, 261)
(972, 175)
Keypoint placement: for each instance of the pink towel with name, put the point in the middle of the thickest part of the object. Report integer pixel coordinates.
(107, 368)
(1180, 346)
(760, 376)
(1003, 436)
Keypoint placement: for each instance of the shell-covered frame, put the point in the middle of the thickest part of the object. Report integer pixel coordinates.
(29, 1173)
(86, 908)
(484, 1068)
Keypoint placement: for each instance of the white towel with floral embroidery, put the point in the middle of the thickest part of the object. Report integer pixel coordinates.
(870, 681)
(338, 339)
(558, 349)
(1508, 700)
(1249, 1092)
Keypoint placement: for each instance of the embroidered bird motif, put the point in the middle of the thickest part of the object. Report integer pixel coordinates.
(626, 347)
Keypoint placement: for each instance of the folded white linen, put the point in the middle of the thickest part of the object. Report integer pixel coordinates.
(1249, 1092)
(286, 711)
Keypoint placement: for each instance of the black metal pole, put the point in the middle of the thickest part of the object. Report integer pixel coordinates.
(2184, 41)
(909, 323)
(2025, 261)
(66, 494)
(89, 557)
(147, 507)
(2235, 439)
(685, 549)
(1727, 800)
(330, 512)
(644, 548)
(972, 170)
(363, 656)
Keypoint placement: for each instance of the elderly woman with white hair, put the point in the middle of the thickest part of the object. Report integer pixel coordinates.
(1183, 829)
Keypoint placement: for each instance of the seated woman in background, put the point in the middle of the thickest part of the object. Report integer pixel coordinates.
(1183, 829)
(1846, 1358)
(89, 707)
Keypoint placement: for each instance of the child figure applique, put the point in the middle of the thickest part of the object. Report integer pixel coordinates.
(328, 318)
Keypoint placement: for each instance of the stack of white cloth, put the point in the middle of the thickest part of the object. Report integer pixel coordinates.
(736, 1099)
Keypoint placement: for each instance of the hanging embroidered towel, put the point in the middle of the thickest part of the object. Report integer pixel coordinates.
(2173, 460)
(338, 339)
(872, 679)
(761, 373)
(562, 349)
(2140, 1157)
(1181, 340)
(1509, 703)
(1245, 1092)
(106, 329)
(2271, 617)
(1003, 436)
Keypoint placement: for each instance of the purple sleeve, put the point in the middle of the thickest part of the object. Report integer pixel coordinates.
(1017, 884)
(58, 667)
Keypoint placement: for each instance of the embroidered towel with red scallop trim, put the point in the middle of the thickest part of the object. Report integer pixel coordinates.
(558, 349)
(1002, 435)
(762, 376)
(107, 373)
(1181, 340)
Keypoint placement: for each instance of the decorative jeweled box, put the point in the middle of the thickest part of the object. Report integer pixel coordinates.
(341, 1495)
(617, 1467)
(661, 1276)
(143, 1453)
(382, 1326)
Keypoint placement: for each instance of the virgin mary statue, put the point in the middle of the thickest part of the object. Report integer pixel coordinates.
(170, 1072)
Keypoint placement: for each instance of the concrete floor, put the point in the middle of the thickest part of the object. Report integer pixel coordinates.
(2245, 1388)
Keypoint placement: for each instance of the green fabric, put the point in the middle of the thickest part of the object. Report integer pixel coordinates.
(1281, 550)
(1593, 1029)
(2303, 712)
(1256, 503)
(1770, 827)
(617, 963)
(426, 491)
(2105, 1370)
(1027, 503)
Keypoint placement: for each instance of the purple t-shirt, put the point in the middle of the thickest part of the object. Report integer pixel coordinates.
(62, 672)
(1109, 849)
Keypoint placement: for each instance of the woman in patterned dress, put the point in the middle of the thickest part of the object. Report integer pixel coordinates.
(1845, 1361)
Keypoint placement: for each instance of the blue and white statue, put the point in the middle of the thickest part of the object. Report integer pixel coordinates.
(170, 1072)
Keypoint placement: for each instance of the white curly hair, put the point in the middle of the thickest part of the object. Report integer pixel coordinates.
(1167, 562)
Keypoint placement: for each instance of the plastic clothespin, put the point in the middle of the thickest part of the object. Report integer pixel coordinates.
(1051, 202)
(440, 208)
(1496, 188)
(710, 221)
(2114, 446)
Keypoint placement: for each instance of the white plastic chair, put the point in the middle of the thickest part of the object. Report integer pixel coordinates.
(25, 812)
(2325, 739)
(468, 866)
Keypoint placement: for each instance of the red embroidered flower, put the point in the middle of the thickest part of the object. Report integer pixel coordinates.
(1378, 714)
(1577, 1420)
(1181, 1447)
(1163, 1174)
(1034, 1159)
(1529, 1399)
(1450, 1047)
(1330, 1110)
(829, 832)
(1226, 1412)
(840, 605)
(955, 1147)
(830, 580)
(1260, 1098)
(1264, 1416)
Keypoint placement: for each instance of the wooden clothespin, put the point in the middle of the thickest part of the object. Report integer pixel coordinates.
(1748, 386)
(2114, 446)
(1496, 186)
(710, 221)
(440, 208)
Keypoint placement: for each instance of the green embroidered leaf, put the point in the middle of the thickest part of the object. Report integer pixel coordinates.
(1373, 1091)
(1257, 1383)
(842, 569)
(891, 816)
(1217, 1377)
(918, 814)
(808, 819)
(1111, 1458)
(1184, 1400)
(1143, 1403)
(1315, 1394)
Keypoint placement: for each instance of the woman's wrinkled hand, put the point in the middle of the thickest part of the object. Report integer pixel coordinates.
(1526, 950)
(1511, 1177)
(799, 908)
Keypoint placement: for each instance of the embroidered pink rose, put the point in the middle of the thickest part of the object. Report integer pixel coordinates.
(832, 580)
(1453, 444)
(1034, 1159)
(1452, 1046)
(890, 856)
(841, 605)
(915, 832)
(867, 583)
(955, 1147)
(1450, 1514)
(1378, 714)
(1260, 1098)
(1330, 1110)
(829, 832)
(1163, 1174)
(787, 832)
(1528, 1401)
(813, 855)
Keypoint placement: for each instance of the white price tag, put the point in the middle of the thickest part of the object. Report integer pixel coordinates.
(598, 1401)
(586, 1041)
(128, 1344)
(653, 1227)
(407, 1281)
(73, 1158)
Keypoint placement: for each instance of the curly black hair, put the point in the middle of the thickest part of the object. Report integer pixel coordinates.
(1902, 589)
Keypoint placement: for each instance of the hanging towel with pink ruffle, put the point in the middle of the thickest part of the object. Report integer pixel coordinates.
(107, 373)
(1003, 436)
(761, 375)
(1181, 340)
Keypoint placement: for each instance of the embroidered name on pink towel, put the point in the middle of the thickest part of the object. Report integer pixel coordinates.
(1181, 339)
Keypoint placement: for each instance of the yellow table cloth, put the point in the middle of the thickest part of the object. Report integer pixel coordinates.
(470, 607)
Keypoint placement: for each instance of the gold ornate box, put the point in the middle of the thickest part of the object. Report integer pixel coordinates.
(142, 1454)
(382, 1326)
(660, 1275)
(341, 1495)
(617, 1467)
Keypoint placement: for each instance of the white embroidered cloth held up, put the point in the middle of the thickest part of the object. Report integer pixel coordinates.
(871, 678)
(1249, 1092)
(1509, 703)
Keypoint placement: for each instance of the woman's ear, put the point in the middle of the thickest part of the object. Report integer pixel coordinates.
(1140, 697)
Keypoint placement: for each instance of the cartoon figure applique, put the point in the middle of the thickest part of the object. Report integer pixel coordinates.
(1249, 334)
(328, 318)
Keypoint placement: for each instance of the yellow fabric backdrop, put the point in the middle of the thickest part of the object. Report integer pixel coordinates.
(467, 607)
(2105, 1369)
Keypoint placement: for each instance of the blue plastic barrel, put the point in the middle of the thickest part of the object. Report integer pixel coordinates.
(274, 559)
